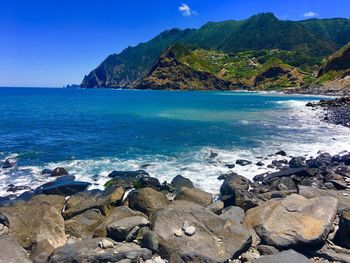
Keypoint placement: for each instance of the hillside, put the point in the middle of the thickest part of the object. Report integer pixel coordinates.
(301, 44)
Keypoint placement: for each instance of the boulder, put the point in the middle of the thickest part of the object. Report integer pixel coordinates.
(9, 163)
(282, 184)
(293, 221)
(195, 195)
(234, 182)
(62, 188)
(214, 239)
(179, 181)
(32, 222)
(323, 160)
(144, 182)
(288, 256)
(216, 207)
(267, 250)
(116, 214)
(11, 251)
(84, 225)
(343, 233)
(90, 251)
(281, 153)
(59, 171)
(101, 200)
(125, 178)
(147, 200)
(302, 172)
(233, 213)
(150, 241)
(297, 162)
(120, 229)
(57, 201)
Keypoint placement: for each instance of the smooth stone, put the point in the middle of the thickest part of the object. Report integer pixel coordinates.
(58, 171)
(90, 251)
(297, 214)
(190, 230)
(178, 232)
(195, 195)
(119, 230)
(147, 200)
(303, 172)
(288, 256)
(106, 243)
(297, 162)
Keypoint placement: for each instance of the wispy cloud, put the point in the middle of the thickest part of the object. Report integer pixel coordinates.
(310, 14)
(186, 10)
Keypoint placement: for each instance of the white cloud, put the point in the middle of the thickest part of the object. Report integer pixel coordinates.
(186, 10)
(310, 14)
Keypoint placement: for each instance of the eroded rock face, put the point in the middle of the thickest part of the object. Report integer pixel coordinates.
(90, 251)
(11, 251)
(147, 200)
(293, 221)
(101, 200)
(195, 195)
(33, 222)
(215, 240)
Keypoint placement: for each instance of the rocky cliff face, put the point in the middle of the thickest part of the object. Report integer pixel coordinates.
(339, 61)
(170, 73)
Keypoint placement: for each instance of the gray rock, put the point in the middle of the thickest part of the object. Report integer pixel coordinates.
(59, 171)
(195, 195)
(147, 200)
(343, 233)
(179, 181)
(234, 213)
(216, 207)
(41, 251)
(338, 255)
(232, 183)
(297, 214)
(288, 256)
(190, 230)
(116, 214)
(106, 243)
(119, 230)
(267, 250)
(297, 162)
(150, 241)
(214, 240)
(101, 200)
(89, 251)
(132, 234)
(11, 251)
(84, 225)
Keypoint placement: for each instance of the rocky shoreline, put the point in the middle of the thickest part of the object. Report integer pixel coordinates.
(300, 212)
(336, 111)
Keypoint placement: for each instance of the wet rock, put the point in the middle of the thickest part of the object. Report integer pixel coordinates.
(281, 153)
(230, 166)
(150, 241)
(11, 251)
(101, 200)
(297, 214)
(346, 159)
(32, 222)
(46, 171)
(234, 213)
(9, 163)
(260, 163)
(83, 226)
(323, 160)
(116, 214)
(59, 171)
(147, 200)
(232, 183)
(195, 195)
(216, 207)
(65, 178)
(179, 181)
(62, 188)
(125, 179)
(242, 162)
(151, 182)
(282, 184)
(89, 251)
(119, 230)
(213, 241)
(343, 233)
(288, 256)
(302, 172)
(297, 162)
(276, 164)
(17, 188)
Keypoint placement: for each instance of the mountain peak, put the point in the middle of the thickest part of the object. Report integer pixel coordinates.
(264, 16)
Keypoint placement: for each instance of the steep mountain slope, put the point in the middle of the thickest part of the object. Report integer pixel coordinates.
(309, 40)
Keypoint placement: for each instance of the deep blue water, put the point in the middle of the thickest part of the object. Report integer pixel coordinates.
(101, 130)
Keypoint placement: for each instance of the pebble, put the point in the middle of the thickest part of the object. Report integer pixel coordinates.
(105, 243)
(190, 230)
(185, 225)
(178, 232)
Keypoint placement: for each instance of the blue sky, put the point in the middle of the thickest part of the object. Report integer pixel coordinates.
(56, 42)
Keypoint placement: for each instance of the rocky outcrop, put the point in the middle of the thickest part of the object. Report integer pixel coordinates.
(170, 74)
(213, 240)
(338, 61)
(305, 221)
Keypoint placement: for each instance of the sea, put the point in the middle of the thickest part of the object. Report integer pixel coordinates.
(92, 132)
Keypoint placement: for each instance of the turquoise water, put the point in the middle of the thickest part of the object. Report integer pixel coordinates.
(92, 132)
